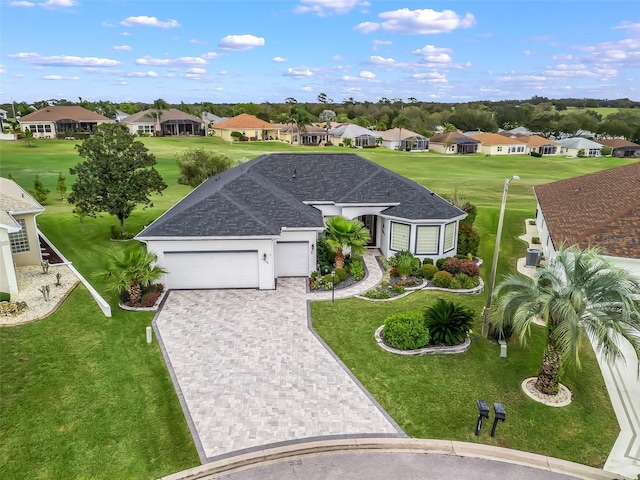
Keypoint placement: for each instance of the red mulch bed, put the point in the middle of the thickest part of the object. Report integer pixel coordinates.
(46, 248)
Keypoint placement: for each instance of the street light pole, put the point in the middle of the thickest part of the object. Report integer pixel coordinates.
(333, 285)
(486, 311)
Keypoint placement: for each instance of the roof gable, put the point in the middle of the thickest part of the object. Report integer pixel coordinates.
(601, 208)
(61, 112)
(244, 120)
(495, 139)
(579, 142)
(455, 138)
(398, 134)
(148, 116)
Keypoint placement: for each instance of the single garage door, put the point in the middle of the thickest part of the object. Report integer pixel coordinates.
(292, 259)
(228, 269)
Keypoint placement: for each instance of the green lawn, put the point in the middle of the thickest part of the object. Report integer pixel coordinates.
(83, 396)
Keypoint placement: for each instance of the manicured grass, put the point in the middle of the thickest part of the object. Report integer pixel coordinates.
(112, 411)
(84, 396)
(435, 396)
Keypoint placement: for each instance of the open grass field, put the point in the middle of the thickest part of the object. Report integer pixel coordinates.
(83, 396)
(604, 111)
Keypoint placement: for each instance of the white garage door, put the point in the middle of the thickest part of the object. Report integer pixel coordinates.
(292, 259)
(190, 270)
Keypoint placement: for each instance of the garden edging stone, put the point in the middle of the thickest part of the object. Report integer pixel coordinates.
(433, 350)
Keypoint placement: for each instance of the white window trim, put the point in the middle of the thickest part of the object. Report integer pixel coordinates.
(391, 247)
(437, 250)
(453, 239)
(20, 240)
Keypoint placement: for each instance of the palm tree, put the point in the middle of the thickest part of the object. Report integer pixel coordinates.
(575, 289)
(401, 122)
(159, 106)
(327, 116)
(130, 269)
(302, 118)
(343, 234)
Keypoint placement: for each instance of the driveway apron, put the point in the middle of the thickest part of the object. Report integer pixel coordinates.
(249, 372)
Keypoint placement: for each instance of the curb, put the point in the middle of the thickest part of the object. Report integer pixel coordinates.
(391, 445)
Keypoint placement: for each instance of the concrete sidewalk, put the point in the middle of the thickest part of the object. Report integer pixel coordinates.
(623, 385)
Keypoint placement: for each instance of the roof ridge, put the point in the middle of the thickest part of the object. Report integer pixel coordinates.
(245, 210)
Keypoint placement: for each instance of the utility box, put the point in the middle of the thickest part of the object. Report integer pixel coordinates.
(533, 257)
(503, 348)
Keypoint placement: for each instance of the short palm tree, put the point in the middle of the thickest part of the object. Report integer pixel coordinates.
(448, 322)
(344, 234)
(575, 289)
(130, 269)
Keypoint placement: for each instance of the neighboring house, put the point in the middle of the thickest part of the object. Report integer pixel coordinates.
(310, 134)
(172, 122)
(600, 209)
(579, 147)
(357, 135)
(261, 220)
(61, 119)
(19, 243)
(252, 128)
(120, 116)
(521, 131)
(622, 148)
(541, 145)
(3, 116)
(403, 139)
(494, 144)
(211, 118)
(454, 142)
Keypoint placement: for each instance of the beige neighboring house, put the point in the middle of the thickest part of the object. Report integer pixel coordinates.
(496, 144)
(19, 245)
(541, 145)
(252, 128)
(454, 142)
(403, 139)
(310, 134)
(61, 119)
(172, 122)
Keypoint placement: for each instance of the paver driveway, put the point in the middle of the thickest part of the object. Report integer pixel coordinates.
(251, 373)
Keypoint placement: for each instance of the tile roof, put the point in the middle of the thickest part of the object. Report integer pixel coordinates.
(618, 143)
(15, 200)
(454, 138)
(351, 131)
(495, 139)
(397, 134)
(288, 128)
(268, 193)
(147, 116)
(537, 141)
(600, 209)
(244, 120)
(61, 112)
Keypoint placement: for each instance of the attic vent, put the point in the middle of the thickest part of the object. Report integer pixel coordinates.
(294, 173)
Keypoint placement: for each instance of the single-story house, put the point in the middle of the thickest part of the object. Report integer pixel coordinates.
(403, 139)
(19, 244)
(622, 148)
(309, 135)
(261, 220)
(172, 122)
(541, 145)
(579, 147)
(599, 209)
(454, 142)
(120, 115)
(3, 115)
(494, 144)
(61, 119)
(251, 127)
(357, 135)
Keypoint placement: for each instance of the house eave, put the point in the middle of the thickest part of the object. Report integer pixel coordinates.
(143, 238)
(424, 220)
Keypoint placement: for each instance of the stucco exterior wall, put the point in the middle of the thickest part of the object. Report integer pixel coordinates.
(8, 282)
(33, 256)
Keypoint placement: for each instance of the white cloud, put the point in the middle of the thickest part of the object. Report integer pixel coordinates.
(378, 60)
(379, 43)
(219, 89)
(122, 48)
(150, 73)
(327, 7)
(59, 77)
(366, 74)
(197, 42)
(579, 71)
(125, 34)
(430, 77)
(626, 25)
(418, 22)
(145, 21)
(338, 58)
(298, 72)
(65, 60)
(211, 55)
(197, 71)
(23, 3)
(279, 59)
(223, 72)
(307, 89)
(171, 62)
(241, 42)
(348, 78)
(433, 54)
(2, 70)
(624, 53)
(58, 4)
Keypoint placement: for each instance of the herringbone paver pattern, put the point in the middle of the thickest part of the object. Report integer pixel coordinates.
(251, 372)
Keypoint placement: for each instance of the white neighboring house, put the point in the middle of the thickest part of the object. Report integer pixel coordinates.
(600, 209)
(19, 243)
(260, 221)
(572, 147)
(403, 139)
(50, 121)
(357, 135)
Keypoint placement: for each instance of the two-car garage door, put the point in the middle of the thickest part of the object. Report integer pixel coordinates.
(212, 269)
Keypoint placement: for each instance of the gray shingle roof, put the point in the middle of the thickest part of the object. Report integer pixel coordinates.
(266, 194)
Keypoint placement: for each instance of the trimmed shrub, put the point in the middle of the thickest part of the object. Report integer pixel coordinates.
(442, 279)
(377, 294)
(341, 275)
(535, 240)
(149, 299)
(356, 268)
(448, 322)
(458, 265)
(466, 282)
(398, 289)
(405, 331)
(536, 154)
(605, 151)
(468, 239)
(324, 253)
(441, 261)
(428, 271)
(4, 297)
(427, 261)
(327, 281)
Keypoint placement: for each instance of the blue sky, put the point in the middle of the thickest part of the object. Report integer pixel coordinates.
(255, 51)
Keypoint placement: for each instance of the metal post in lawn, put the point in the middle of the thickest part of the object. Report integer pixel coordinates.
(486, 311)
(333, 285)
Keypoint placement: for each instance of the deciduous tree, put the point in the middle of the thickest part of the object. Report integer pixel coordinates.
(197, 164)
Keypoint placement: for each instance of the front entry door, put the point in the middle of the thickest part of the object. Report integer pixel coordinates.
(370, 222)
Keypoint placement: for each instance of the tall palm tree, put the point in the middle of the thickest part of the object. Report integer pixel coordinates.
(344, 234)
(130, 269)
(575, 289)
(159, 106)
(400, 122)
(302, 118)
